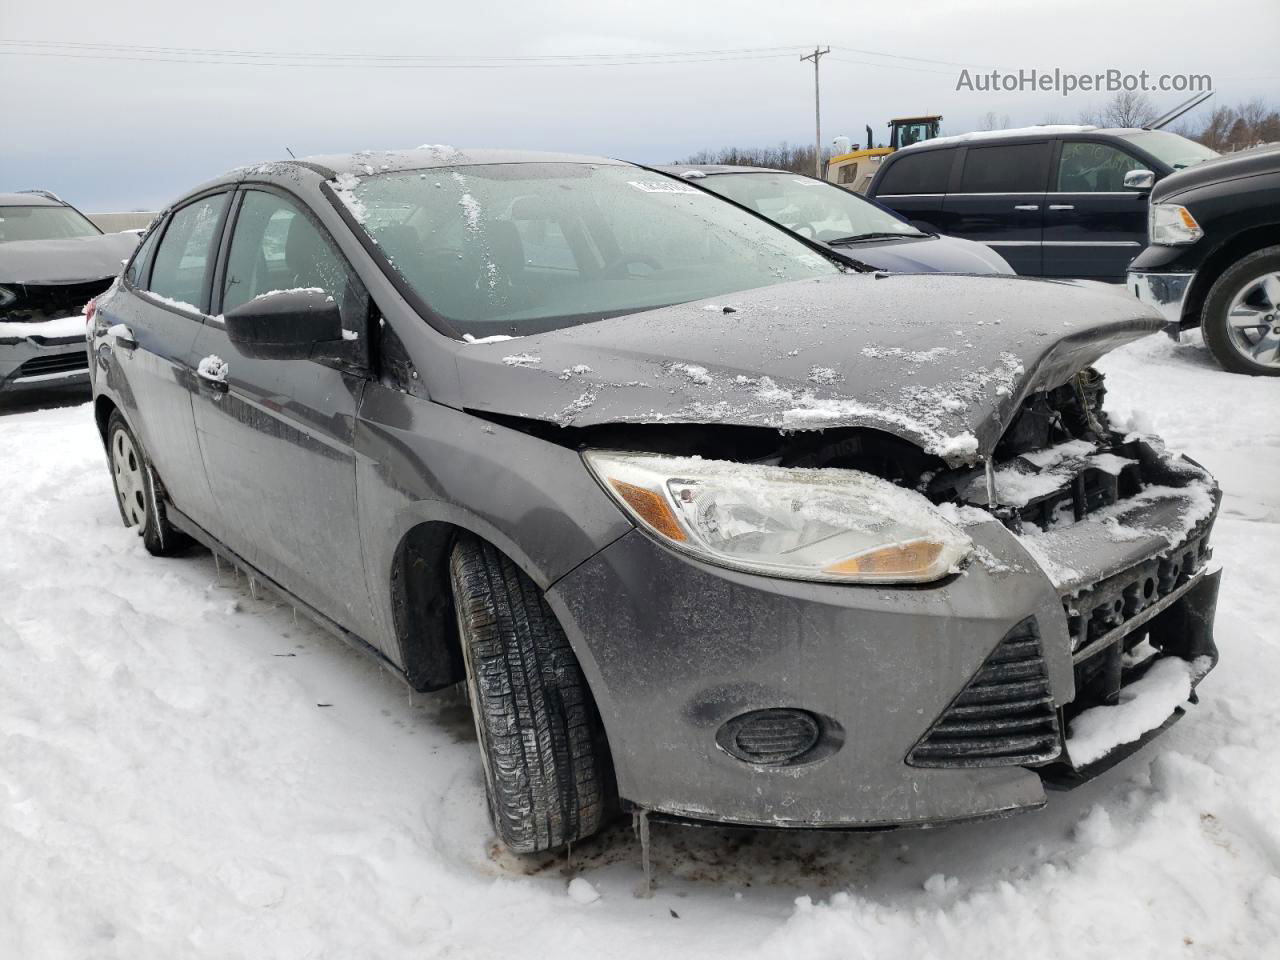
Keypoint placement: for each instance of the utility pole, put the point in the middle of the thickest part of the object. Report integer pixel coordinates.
(817, 111)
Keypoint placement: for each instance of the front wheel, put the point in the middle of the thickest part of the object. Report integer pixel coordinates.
(1241, 319)
(545, 763)
(135, 488)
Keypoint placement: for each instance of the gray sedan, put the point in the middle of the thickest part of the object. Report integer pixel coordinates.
(708, 525)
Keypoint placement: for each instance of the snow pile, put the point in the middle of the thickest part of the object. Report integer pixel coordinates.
(1144, 705)
(493, 338)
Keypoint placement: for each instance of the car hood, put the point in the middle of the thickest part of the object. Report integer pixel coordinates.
(70, 260)
(926, 255)
(942, 361)
(1231, 166)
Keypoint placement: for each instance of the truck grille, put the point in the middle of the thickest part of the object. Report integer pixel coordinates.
(1004, 716)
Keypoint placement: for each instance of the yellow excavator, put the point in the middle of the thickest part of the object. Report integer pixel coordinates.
(853, 166)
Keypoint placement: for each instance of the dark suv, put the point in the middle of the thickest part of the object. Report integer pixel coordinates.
(1055, 201)
(704, 520)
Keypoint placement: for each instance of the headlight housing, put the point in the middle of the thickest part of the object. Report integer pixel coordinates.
(1171, 224)
(833, 525)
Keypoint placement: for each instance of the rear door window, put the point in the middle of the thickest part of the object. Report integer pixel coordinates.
(1007, 168)
(185, 254)
(1093, 168)
(924, 172)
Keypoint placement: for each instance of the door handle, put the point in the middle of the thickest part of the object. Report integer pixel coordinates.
(1027, 206)
(123, 336)
(213, 371)
(1062, 206)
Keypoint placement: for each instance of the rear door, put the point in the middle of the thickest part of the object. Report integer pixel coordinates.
(155, 326)
(276, 436)
(999, 200)
(914, 184)
(1093, 226)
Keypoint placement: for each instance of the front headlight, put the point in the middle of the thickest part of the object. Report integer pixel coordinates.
(834, 525)
(1170, 224)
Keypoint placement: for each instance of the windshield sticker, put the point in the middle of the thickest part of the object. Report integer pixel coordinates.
(663, 186)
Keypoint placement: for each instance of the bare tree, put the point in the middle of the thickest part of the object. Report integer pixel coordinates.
(991, 122)
(1235, 128)
(1127, 108)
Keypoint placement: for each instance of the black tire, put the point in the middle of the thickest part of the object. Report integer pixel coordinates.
(136, 495)
(1213, 319)
(546, 766)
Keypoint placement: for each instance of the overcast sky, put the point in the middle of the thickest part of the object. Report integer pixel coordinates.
(119, 134)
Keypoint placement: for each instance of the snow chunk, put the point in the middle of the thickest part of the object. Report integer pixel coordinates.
(582, 891)
(695, 373)
(1144, 705)
(272, 293)
(493, 338)
(170, 302)
(344, 188)
(214, 368)
(823, 375)
(1052, 456)
(521, 360)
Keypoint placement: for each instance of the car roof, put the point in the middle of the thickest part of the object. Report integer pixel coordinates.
(713, 169)
(1019, 133)
(365, 162)
(28, 200)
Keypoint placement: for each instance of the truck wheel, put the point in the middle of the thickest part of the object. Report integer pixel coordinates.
(541, 743)
(135, 489)
(1241, 318)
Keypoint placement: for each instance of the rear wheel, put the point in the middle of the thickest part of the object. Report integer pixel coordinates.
(545, 762)
(135, 489)
(1241, 320)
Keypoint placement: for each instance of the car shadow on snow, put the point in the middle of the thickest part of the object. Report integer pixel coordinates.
(28, 401)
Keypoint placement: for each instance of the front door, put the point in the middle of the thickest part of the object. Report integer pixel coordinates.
(1000, 202)
(155, 324)
(1093, 227)
(277, 435)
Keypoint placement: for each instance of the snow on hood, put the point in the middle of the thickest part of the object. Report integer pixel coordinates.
(69, 260)
(942, 361)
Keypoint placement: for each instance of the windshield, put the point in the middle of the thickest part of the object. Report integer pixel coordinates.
(43, 223)
(1176, 151)
(520, 248)
(812, 208)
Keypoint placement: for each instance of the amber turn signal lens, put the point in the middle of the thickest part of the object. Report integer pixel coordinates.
(651, 508)
(897, 559)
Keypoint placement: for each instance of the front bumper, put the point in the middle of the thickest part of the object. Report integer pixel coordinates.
(674, 649)
(37, 362)
(1167, 292)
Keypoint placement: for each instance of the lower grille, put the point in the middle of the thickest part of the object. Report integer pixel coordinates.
(55, 363)
(1005, 715)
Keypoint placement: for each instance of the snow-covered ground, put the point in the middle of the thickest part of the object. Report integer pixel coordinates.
(187, 772)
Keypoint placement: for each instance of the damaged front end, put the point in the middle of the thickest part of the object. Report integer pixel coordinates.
(1121, 527)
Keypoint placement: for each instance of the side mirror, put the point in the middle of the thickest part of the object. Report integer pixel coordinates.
(285, 325)
(1139, 180)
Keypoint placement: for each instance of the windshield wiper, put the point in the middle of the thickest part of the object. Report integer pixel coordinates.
(877, 235)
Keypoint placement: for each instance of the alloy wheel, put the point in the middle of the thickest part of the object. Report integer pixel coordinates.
(1253, 320)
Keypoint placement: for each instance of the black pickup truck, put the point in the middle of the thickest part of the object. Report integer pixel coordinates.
(1214, 256)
